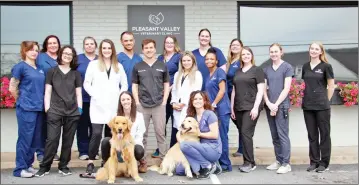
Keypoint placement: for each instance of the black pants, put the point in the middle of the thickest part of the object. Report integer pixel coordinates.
(96, 137)
(169, 112)
(318, 123)
(54, 124)
(173, 136)
(106, 147)
(84, 130)
(246, 126)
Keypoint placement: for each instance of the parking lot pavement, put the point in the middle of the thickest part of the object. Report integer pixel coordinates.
(347, 174)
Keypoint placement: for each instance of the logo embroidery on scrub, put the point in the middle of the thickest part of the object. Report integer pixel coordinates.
(319, 71)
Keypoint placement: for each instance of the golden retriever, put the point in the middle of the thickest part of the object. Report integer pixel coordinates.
(123, 142)
(188, 132)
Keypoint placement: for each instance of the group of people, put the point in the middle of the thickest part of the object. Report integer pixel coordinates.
(56, 89)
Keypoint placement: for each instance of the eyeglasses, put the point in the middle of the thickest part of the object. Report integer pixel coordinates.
(169, 43)
(68, 54)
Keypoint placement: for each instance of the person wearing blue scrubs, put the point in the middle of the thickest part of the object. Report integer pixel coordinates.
(232, 65)
(46, 60)
(128, 58)
(217, 92)
(84, 128)
(204, 37)
(203, 156)
(171, 56)
(27, 86)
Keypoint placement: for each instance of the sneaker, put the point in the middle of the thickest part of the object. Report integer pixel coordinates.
(56, 158)
(237, 154)
(204, 173)
(275, 166)
(31, 170)
(42, 172)
(247, 168)
(90, 168)
(40, 158)
(26, 174)
(321, 169)
(284, 169)
(218, 168)
(156, 154)
(65, 171)
(84, 157)
(97, 157)
(312, 167)
(142, 168)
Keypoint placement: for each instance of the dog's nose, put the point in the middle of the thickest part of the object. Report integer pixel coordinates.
(120, 130)
(182, 125)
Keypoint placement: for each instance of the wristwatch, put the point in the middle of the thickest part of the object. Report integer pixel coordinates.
(214, 105)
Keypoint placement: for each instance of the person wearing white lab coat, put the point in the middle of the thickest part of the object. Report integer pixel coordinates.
(186, 80)
(103, 80)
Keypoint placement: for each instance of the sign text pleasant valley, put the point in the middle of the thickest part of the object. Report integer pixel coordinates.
(156, 30)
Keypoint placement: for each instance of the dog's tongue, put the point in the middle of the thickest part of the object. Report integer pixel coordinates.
(119, 136)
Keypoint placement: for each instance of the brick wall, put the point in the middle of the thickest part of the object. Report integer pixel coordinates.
(108, 19)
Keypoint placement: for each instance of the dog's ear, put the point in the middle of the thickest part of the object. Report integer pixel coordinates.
(112, 122)
(129, 124)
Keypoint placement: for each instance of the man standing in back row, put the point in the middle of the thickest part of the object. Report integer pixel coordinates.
(128, 58)
(150, 86)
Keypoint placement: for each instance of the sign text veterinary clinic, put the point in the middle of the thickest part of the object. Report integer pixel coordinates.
(156, 22)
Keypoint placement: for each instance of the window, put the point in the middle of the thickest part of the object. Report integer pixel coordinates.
(23, 21)
(295, 25)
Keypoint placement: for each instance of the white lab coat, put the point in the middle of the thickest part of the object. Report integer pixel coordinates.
(183, 92)
(138, 129)
(104, 91)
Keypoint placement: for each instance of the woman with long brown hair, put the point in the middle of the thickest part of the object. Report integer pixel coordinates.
(203, 156)
(319, 88)
(102, 82)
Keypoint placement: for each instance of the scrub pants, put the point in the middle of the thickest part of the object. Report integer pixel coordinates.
(246, 126)
(54, 124)
(199, 155)
(84, 126)
(29, 138)
(318, 123)
(43, 133)
(240, 145)
(106, 148)
(173, 136)
(223, 132)
(279, 128)
(96, 137)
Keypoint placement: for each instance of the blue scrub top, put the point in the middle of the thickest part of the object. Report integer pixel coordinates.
(208, 118)
(31, 86)
(202, 65)
(212, 88)
(230, 75)
(172, 65)
(128, 65)
(45, 62)
(83, 62)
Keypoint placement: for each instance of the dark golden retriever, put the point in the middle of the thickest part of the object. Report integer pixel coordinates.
(123, 142)
(188, 132)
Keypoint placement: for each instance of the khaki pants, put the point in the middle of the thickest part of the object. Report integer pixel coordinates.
(158, 115)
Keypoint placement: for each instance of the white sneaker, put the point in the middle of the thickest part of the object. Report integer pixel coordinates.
(284, 169)
(275, 166)
(84, 157)
(32, 170)
(26, 174)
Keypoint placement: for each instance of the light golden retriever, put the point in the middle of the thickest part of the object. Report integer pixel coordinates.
(123, 142)
(188, 132)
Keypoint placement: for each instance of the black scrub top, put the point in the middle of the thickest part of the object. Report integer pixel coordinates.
(245, 84)
(316, 92)
(63, 97)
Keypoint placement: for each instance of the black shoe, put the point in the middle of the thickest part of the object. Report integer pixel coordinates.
(206, 172)
(65, 171)
(312, 167)
(218, 168)
(42, 172)
(90, 168)
(321, 169)
(102, 164)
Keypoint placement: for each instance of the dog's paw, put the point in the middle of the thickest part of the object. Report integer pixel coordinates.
(138, 179)
(170, 174)
(189, 175)
(110, 181)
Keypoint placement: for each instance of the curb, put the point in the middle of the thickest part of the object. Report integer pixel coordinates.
(263, 156)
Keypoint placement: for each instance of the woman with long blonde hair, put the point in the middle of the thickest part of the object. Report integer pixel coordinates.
(103, 79)
(319, 88)
(186, 80)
